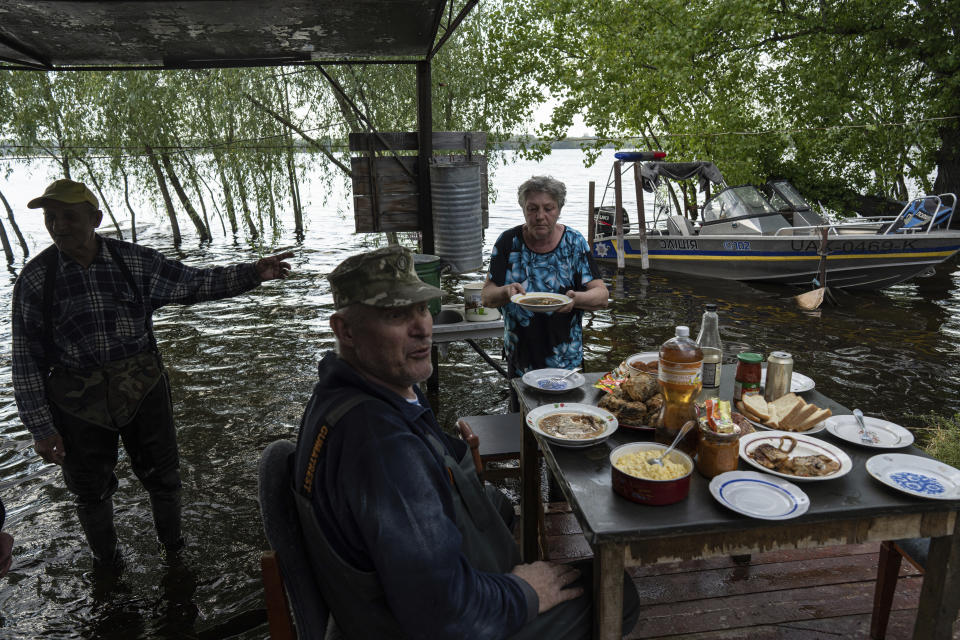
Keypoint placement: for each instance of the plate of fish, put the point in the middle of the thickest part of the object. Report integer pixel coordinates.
(916, 475)
(552, 380)
(759, 496)
(794, 456)
(540, 302)
(572, 425)
(880, 433)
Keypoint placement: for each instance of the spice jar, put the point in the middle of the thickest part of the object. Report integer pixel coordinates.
(749, 372)
(717, 452)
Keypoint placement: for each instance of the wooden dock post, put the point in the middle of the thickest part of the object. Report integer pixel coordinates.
(591, 213)
(641, 218)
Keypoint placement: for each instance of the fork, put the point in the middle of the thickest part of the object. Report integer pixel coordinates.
(866, 437)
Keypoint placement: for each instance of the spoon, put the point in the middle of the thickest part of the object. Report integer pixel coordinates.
(565, 376)
(865, 436)
(683, 431)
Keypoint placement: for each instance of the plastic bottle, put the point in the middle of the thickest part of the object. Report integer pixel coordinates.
(709, 341)
(679, 373)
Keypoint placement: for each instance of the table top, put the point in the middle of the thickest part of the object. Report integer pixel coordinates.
(585, 477)
(466, 329)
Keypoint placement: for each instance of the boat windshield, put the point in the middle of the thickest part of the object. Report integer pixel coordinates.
(736, 202)
(785, 197)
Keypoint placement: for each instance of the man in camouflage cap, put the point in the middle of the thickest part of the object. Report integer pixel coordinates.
(404, 540)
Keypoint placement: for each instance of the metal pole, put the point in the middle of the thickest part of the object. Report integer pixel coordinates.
(425, 139)
(641, 218)
(618, 202)
(591, 213)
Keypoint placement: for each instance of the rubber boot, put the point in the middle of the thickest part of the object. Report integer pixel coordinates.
(166, 518)
(97, 523)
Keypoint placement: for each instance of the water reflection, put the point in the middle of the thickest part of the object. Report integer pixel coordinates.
(242, 370)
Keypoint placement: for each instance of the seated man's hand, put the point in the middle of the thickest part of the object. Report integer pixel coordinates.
(51, 449)
(549, 580)
(6, 552)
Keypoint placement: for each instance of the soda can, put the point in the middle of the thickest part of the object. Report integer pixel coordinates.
(779, 374)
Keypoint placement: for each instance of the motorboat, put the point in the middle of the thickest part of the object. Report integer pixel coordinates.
(741, 234)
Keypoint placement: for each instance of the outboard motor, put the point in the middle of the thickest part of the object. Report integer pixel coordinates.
(607, 221)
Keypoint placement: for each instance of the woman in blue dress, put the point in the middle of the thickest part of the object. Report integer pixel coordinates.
(544, 257)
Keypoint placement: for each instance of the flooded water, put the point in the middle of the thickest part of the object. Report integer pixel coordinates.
(242, 370)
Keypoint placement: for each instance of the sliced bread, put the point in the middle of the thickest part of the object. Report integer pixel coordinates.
(756, 405)
(815, 418)
(804, 411)
(785, 403)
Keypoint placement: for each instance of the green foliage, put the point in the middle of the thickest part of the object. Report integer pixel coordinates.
(819, 89)
(942, 438)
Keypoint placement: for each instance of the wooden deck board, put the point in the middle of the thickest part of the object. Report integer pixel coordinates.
(789, 595)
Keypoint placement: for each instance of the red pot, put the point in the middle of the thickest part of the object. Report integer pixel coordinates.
(652, 492)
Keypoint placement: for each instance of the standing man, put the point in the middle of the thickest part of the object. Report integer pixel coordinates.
(404, 540)
(86, 369)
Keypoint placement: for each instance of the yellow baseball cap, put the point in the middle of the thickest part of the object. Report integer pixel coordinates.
(66, 191)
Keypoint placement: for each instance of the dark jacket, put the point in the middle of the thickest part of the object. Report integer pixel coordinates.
(382, 497)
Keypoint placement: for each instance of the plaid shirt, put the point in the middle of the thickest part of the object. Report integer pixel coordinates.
(97, 318)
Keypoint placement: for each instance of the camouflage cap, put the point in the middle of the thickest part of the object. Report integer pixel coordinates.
(385, 277)
(66, 191)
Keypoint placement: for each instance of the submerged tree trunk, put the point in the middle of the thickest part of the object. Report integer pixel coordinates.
(7, 249)
(103, 199)
(184, 200)
(165, 192)
(126, 198)
(227, 193)
(16, 229)
(251, 227)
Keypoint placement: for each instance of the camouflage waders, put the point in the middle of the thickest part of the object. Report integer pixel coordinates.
(127, 399)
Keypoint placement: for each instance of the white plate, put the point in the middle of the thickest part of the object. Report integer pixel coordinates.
(543, 380)
(820, 426)
(916, 475)
(886, 435)
(798, 382)
(561, 301)
(535, 415)
(806, 446)
(759, 496)
(644, 356)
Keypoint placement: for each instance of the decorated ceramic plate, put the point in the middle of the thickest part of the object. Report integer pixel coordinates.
(795, 459)
(883, 434)
(547, 380)
(916, 475)
(566, 423)
(759, 495)
(540, 302)
(798, 382)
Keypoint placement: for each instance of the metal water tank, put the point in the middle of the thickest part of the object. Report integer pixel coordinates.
(457, 214)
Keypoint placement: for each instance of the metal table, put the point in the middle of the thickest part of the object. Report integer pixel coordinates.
(852, 509)
(468, 331)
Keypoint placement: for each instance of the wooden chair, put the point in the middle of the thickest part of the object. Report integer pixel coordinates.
(285, 569)
(915, 550)
(493, 438)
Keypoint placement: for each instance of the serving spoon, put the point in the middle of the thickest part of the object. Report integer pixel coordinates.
(683, 431)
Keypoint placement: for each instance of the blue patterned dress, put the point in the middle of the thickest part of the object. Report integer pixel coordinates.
(537, 340)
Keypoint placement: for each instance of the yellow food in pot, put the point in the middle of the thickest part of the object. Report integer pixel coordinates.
(636, 465)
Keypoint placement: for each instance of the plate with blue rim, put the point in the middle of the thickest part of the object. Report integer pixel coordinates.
(548, 380)
(759, 495)
(916, 475)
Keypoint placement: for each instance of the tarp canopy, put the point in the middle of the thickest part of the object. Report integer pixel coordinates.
(706, 172)
(70, 34)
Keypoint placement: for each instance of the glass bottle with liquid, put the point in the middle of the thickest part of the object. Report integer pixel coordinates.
(679, 370)
(709, 342)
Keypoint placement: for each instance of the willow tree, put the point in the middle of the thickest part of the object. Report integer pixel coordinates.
(859, 93)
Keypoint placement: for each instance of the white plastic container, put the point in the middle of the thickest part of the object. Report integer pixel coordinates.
(474, 310)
